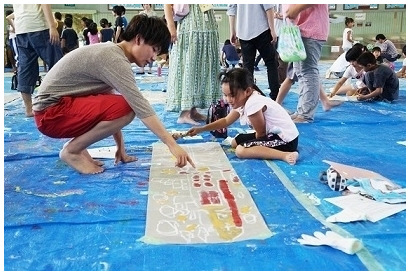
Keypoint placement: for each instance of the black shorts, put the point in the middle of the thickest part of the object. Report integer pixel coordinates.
(270, 140)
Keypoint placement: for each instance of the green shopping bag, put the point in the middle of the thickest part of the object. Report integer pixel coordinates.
(290, 46)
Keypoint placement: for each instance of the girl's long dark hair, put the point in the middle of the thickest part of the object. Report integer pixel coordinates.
(238, 79)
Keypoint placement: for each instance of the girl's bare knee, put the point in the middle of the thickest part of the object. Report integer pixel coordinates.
(240, 151)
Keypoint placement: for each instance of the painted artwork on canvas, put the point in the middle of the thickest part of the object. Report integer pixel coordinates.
(206, 204)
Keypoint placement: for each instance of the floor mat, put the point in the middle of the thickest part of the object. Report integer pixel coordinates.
(57, 219)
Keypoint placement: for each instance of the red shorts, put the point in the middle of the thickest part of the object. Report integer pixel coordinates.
(74, 116)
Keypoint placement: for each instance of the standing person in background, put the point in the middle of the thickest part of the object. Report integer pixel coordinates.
(313, 22)
(36, 36)
(282, 66)
(147, 9)
(59, 23)
(149, 12)
(12, 51)
(253, 25)
(193, 63)
(120, 22)
(106, 33)
(69, 37)
(85, 22)
(93, 34)
(347, 38)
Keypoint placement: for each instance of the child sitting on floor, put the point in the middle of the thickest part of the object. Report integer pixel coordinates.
(275, 136)
(379, 59)
(381, 81)
(402, 72)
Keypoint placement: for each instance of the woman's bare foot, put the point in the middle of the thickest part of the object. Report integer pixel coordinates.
(185, 117)
(291, 158)
(329, 104)
(195, 115)
(80, 162)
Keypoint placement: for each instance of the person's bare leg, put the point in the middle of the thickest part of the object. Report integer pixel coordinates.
(283, 90)
(73, 152)
(261, 152)
(87, 155)
(28, 104)
(185, 117)
(327, 104)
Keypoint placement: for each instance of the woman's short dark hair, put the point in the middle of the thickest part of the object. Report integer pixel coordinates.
(153, 30)
(118, 10)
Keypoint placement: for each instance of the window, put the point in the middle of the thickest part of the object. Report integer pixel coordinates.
(360, 6)
(395, 6)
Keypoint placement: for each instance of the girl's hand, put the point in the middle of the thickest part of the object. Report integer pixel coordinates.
(193, 131)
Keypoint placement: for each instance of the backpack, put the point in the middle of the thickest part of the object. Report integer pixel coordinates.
(217, 110)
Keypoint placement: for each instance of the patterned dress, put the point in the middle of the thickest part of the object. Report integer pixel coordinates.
(194, 62)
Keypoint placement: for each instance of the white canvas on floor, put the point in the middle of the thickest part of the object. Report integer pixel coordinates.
(206, 204)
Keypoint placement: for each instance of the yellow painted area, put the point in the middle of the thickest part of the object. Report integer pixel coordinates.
(169, 171)
(182, 218)
(191, 227)
(221, 220)
(245, 209)
(172, 193)
(203, 169)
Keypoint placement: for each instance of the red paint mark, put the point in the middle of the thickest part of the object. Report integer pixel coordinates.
(235, 179)
(196, 177)
(205, 198)
(183, 173)
(209, 184)
(211, 197)
(231, 202)
(226, 170)
(197, 184)
(142, 183)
